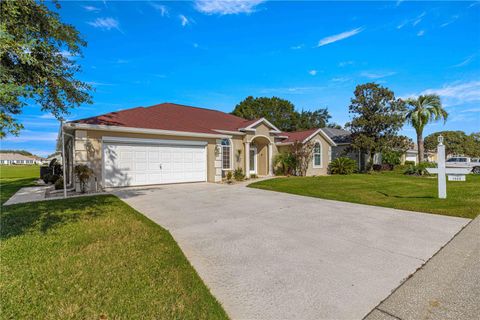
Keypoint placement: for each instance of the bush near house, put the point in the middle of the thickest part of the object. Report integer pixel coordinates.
(420, 169)
(238, 174)
(342, 165)
(284, 164)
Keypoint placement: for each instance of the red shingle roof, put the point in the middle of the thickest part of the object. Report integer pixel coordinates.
(297, 135)
(169, 116)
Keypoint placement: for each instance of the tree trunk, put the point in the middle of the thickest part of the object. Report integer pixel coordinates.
(420, 146)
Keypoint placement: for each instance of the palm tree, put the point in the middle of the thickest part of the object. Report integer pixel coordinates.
(421, 111)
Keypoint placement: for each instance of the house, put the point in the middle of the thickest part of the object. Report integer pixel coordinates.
(11, 158)
(171, 143)
(412, 155)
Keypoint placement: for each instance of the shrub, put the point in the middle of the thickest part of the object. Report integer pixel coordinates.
(253, 176)
(59, 184)
(284, 164)
(54, 178)
(228, 177)
(342, 165)
(391, 157)
(83, 174)
(382, 167)
(409, 163)
(46, 177)
(238, 174)
(420, 169)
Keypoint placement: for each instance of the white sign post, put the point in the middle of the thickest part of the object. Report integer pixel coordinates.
(442, 171)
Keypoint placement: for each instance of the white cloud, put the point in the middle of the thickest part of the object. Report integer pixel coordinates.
(340, 79)
(313, 72)
(91, 8)
(457, 93)
(26, 136)
(454, 18)
(184, 20)
(105, 23)
(345, 63)
(121, 61)
(300, 46)
(473, 110)
(195, 45)
(97, 84)
(418, 19)
(224, 7)
(413, 22)
(377, 75)
(464, 62)
(48, 116)
(290, 90)
(338, 37)
(399, 2)
(160, 8)
(420, 33)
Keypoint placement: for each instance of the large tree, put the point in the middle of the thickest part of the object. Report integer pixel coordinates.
(456, 143)
(312, 119)
(36, 65)
(281, 113)
(377, 116)
(421, 111)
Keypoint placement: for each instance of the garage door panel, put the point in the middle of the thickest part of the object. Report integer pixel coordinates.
(142, 164)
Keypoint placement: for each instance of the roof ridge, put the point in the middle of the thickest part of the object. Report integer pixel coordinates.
(193, 107)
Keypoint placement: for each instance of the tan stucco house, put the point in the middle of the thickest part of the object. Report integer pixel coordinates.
(171, 143)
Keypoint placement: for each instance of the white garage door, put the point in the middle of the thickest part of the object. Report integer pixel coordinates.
(135, 164)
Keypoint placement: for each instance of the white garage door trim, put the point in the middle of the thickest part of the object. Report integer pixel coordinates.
(134, 142)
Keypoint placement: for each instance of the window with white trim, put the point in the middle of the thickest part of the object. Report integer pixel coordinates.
(317, 155)
(226, 154)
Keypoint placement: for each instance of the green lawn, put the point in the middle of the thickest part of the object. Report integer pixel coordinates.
(390, 189)
(13, 178)
(93, 258)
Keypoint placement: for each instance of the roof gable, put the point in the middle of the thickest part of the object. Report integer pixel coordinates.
(305, 136)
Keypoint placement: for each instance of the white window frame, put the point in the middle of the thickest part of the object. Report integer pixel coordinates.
(316, 166)
(230, 153)
(255, 162)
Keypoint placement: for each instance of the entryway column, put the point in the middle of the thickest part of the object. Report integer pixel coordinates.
(247, 159)
(270, 159)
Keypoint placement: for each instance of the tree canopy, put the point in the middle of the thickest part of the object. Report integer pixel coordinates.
(456, 142)
(36, 65)
(377, 116)
(281, 113)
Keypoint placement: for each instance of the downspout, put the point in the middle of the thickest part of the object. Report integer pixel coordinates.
(64, 159)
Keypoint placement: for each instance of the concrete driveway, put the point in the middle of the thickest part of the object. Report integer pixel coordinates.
(269, 255)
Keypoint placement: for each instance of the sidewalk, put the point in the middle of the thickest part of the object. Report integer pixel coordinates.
(446, 287)
(27, 194)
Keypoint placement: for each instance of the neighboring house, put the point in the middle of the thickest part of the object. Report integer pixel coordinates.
(170, 143)
(17, 158)
(412, 155)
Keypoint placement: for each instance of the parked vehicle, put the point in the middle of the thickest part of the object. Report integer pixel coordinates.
(464, 162)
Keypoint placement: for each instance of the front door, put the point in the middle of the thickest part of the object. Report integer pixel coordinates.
(253, 160)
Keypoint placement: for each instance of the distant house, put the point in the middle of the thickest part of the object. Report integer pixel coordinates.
(17, 158)
(412, 155)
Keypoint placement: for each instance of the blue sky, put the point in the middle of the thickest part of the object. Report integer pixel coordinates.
(313, 53)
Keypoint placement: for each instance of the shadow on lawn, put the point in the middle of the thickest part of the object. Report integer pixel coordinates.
(43, 216)
(405, 197)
